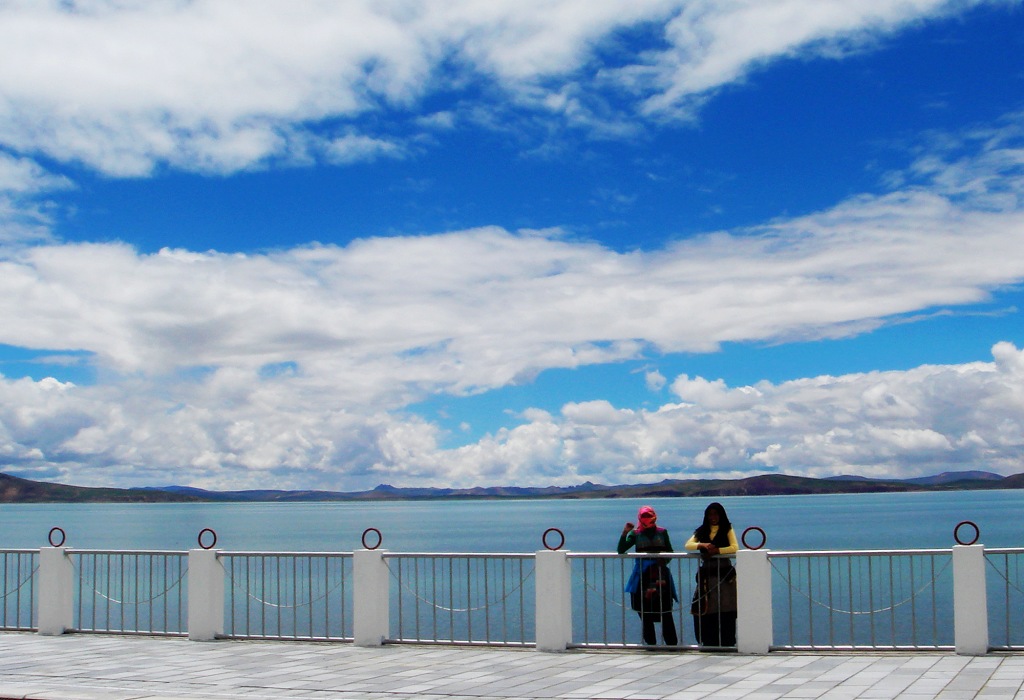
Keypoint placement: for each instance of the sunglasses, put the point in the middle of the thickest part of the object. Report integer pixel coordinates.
(647, 516)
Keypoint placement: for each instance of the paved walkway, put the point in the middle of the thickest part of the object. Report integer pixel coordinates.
(87, 667)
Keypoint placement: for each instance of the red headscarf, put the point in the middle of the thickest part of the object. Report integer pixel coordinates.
(641, 523)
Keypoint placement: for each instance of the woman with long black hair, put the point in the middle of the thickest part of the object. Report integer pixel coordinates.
(714, 599)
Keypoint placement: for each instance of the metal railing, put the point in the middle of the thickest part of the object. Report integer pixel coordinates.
(288, 595)
(462, 598)
(863, 599)
(137, 592)
(18, 569)
(1005, 598)
(838, 600)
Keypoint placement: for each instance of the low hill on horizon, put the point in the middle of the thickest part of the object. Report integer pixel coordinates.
(14, 489)
(18, 490)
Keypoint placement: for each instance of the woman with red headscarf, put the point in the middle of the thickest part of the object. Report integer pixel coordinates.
(651, 588)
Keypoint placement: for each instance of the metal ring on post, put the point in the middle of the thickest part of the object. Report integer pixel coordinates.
(544, 539)
(764, 537)
(63, 537)
(956, 532)
(212, 544)
(380, 538)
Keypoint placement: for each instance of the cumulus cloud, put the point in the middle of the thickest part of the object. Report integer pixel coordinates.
(226, 368)
(218, 87)
(493, 307)
(296, 366)
(874, 424)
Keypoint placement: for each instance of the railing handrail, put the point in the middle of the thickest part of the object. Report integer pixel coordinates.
(572, 554)
(458, 555)
(856, 552)
(247, 553)
(139, 552)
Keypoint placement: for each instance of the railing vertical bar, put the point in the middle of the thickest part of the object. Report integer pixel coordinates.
(19, 561)
(433, 583)
(248, 591)
(5, 570)
(914, 639)
(309, 590)
(327, 601)
(849, 590)
(232, 602)
(263, 595)
(892, 602)
(420, 585)
(182, 593)
(504, 599)
(162, 587)
(295, 596)
(871, 597)
(789, 577)
(81, 590)
(935, 604)
(109, 568)
(622, 614)
(487, 602)
(522, 607)
(831, 606)
(401, 599)
(469, 601)
(1006, 603)
(135, 623)
(33, 561)
(810, 603)
(586, 601)
(451, 596)
(279, 594)
(96, 574)
(4, 587)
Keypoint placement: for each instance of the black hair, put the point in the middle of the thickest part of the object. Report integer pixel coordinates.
(703, 532)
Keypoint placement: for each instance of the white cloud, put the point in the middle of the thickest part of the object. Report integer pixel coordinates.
(219, 87)
(714, 43)
(818, 426)
(23, 217)
(192, 347)
(472, 310)
(654, 380)
(294, 366)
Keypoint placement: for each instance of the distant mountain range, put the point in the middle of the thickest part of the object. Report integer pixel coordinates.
(17, 490)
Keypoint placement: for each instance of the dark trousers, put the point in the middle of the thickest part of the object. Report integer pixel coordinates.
(715, 629)
(668, 628)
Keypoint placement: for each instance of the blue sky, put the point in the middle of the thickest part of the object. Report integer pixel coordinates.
(509, 243)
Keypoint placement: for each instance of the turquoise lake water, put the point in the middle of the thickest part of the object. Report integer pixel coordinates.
(821, 522)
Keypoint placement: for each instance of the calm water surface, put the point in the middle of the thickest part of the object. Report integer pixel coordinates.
(847, 521)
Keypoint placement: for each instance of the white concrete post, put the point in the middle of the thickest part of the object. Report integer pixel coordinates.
(371, 613)
(552, 576)
(970, 604)
(56, 591)
(753, 601)
(205, 595)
